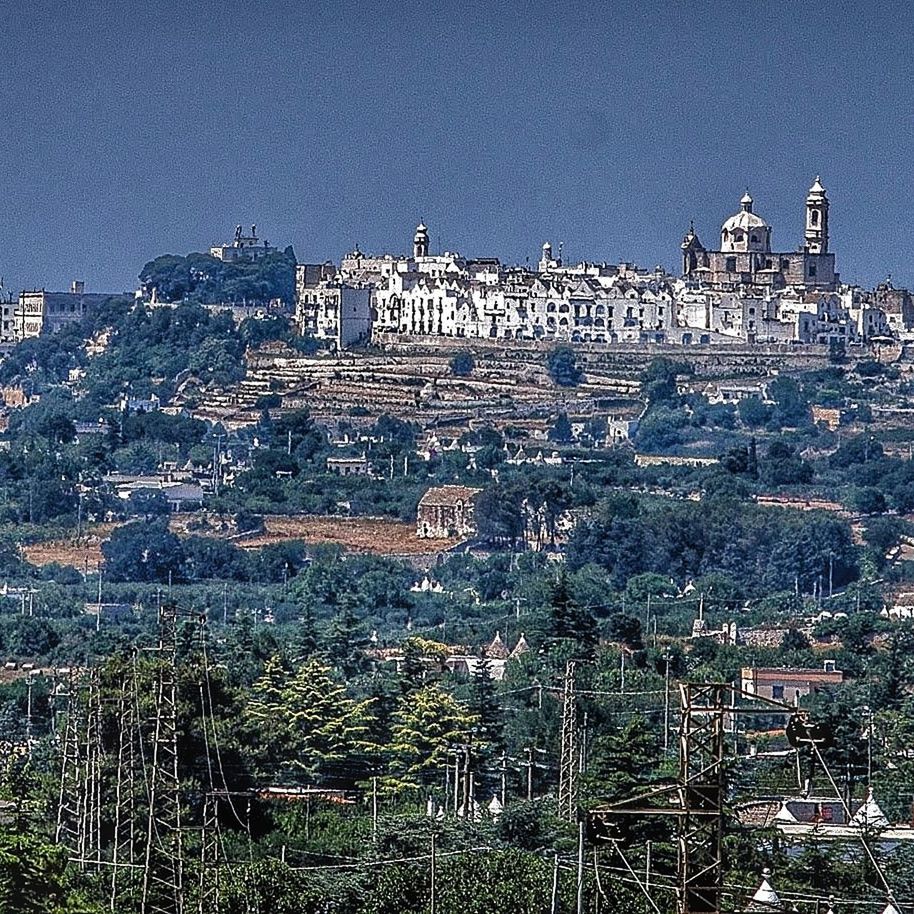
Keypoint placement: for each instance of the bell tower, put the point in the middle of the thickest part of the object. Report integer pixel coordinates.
(420, 241)
(816, 237)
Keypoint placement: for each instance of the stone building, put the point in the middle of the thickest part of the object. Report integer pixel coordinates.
(242, 247)
(332, 311)
(40, 312)
(446, 512)
(745, 256)
(789, 685)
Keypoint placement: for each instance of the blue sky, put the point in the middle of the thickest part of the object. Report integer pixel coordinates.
(134, 129)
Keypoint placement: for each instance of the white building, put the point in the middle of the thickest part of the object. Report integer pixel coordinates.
(241, 247)
(333, 311)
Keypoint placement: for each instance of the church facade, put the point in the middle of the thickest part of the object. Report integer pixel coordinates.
(745, 256)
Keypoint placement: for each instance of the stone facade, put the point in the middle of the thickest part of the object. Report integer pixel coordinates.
(745, 256)
(446, 512)
(40, 312)
(334, 311)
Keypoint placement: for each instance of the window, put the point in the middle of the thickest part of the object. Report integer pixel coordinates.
(755, 239)
(731, 264)
(777, 692)
(815, 217)
(812, 269)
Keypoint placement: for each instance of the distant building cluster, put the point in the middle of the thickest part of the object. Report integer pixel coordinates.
(37, 311)
(743, 292)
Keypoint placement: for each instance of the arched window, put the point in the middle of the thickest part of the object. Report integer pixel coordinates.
(815, 217)
(755, 239)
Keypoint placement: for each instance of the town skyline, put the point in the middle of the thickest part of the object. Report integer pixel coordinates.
(443, 243)
(328, 127)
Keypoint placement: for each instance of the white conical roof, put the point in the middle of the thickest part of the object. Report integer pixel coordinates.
(784, 814)
(495, 807)
(522, 646)
(891, 909)
(497, 649)
(870, 815)
(765, 898)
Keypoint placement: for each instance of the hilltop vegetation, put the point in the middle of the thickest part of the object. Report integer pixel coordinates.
(209, 280)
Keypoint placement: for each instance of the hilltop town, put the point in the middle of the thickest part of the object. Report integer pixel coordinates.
(415, 578)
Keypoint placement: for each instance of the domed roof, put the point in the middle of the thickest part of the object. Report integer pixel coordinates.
(745, 218)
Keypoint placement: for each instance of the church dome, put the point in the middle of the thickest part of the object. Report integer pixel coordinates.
(745, 230)
(745, 218)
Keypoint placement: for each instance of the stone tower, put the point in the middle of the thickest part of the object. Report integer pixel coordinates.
(816, 237)
(420, 241)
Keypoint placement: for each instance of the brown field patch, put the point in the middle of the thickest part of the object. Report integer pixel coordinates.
(377, 535)
(83, 554)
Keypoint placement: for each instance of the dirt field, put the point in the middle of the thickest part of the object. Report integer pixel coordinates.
(82, 555)
(377, 535)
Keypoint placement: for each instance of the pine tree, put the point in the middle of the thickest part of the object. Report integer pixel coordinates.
(484, 702)
(427, 725)
(348, 638)
(569, 621)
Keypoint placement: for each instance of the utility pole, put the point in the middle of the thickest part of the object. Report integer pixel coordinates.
(569, 763)
(553, 904)
(701, 762)
(666, 703)
(90, 830)
(374, 809)
(123, 852)
(580, 893)
(433, 875)
(209, 889)
(29, 683)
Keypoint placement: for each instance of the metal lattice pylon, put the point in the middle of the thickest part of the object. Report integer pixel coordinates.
(570, 762)
(209, 856)
(163, 890)
(71, 801)
(124, 840)
(701, 795)
(91, 806)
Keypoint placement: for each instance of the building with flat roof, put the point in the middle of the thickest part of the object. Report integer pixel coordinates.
(39, 311)
(789, 684)
(241, 247)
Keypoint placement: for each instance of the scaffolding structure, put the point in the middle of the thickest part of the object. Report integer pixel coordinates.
(570, 763)
(163, 869)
